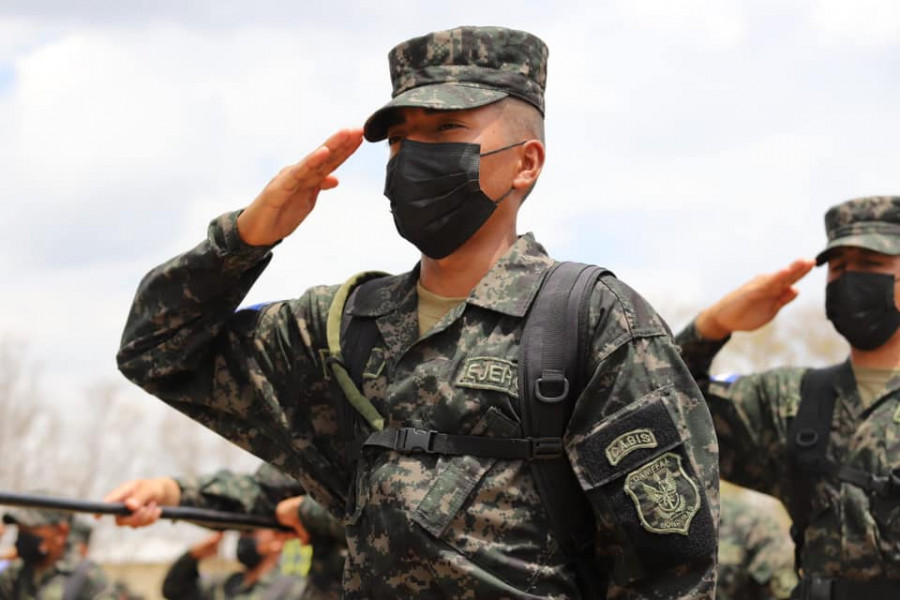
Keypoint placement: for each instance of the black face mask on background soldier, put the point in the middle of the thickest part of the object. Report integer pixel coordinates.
(435, 195)
(248, 552)
(28, 547)
(861, 307)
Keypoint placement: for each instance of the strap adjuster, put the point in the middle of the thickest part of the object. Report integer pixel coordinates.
(546, 448)
(415, 440)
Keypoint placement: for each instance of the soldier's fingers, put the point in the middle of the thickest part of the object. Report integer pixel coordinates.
(120, 493)
(786, 297)
(794, 272)
(327, 157)
(329, 183)
(141, 517)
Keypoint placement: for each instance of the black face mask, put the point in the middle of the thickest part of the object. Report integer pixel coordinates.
(247, 552)
(28, 546)
(861, 307)
(435, 196)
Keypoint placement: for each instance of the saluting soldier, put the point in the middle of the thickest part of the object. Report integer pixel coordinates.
(436, 483)
(824, 441)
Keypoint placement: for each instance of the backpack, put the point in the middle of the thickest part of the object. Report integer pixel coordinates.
(551, 377)
(808, 436)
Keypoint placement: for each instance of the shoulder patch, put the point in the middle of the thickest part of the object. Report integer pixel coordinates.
(628, 442)
(490, 373)
(665, 497)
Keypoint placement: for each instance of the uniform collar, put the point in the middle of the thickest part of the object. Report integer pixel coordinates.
(848, 389)
(508, 287)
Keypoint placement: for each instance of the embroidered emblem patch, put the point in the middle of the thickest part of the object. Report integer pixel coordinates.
(628, 442)
(489, 373)
(665, 497)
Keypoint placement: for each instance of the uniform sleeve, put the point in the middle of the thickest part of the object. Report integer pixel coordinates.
(257, 494)
(254, 376)
(771, 557)
(182, 581)
(8, 578)
(323, 528)
(751, 414)
(642, 445)
(98, 586)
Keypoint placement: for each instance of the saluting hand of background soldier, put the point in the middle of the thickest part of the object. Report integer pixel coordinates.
(291, 195)
(753, 304)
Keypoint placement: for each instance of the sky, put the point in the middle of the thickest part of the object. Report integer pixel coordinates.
(690, 143)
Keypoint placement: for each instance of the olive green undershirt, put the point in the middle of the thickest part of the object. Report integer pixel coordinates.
(432, 307)
(872, 383)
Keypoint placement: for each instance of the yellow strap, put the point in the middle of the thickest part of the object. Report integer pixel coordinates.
(333, 333)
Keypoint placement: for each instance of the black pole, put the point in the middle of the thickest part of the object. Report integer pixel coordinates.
(214, 519)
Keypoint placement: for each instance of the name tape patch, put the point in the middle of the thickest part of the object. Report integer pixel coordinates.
(628, 442)
(489, 373)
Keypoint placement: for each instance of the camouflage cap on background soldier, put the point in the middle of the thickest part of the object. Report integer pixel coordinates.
(463, 68)
(872, 223)
(36, 517)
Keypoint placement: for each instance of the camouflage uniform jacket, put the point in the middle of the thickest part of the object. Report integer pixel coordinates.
(850, 534)
(183, 582)
(260, 494)
(426, 525)
(20, 583)
(756, 554)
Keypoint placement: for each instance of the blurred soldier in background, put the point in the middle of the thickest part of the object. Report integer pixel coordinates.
(756, 554)
(267, 492)
(257, 550)
(45, 567)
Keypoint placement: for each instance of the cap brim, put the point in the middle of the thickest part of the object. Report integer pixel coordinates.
(869, 241)
(439, 96)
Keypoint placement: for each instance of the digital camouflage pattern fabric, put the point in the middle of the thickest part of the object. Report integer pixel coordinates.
(260, 494)
(850, 534)
(756, 554)
(872, 223)
(425, 525)
(20, 582)
(183, 582)
(463, 68)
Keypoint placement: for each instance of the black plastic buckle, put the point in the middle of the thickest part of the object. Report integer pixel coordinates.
(546, 448)
(415, 440)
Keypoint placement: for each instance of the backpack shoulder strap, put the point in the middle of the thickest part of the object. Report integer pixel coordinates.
(76, 581)
(807, 445)
(339, 329)
(551, 377)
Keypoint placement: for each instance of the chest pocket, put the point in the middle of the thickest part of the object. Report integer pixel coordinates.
(458, 477)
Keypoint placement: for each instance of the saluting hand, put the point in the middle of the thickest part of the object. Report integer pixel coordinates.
(753, 304)
(291, 195)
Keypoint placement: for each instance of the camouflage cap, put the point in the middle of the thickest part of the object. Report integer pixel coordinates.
(462, 68)
(35, 517)
(872, 223)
